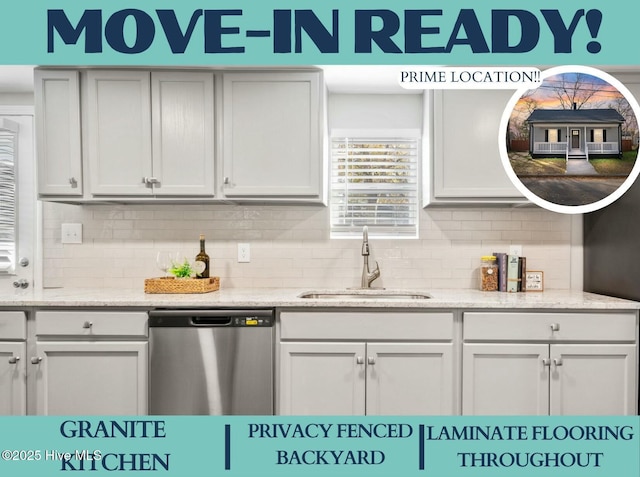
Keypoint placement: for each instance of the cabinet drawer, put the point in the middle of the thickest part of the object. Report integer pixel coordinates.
(373, 325)
(549, 327)
(91, 323)
(13, 325)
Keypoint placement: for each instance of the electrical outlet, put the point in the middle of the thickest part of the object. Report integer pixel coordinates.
(244, 253)
(515, 250)
(71, 233)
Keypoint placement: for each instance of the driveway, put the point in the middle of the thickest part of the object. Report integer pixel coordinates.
(572, 190)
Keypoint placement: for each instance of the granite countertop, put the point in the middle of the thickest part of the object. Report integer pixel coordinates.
(264, 297)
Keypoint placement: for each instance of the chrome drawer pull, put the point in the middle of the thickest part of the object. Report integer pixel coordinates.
(557, 361)
(360, 360)
(546, 362)
(555, 327)
(87, 324)
(14, 359)
(36, 360)
(371, 360)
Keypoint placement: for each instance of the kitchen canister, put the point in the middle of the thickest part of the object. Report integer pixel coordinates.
(488, 273)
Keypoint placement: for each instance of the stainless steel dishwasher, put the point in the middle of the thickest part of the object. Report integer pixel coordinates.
(211, 362)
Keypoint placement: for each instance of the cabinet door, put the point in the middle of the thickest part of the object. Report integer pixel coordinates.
(410, 379)
(13, 386)
(119, 132)
(91, 378)
(183, 133)
(593, 379)
(505, 379)
(466, 165)
(322, 378)
(271, 135)
(57, 101)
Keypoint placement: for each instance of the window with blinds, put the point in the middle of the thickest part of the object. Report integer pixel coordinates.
(8, 206)
(374, 182)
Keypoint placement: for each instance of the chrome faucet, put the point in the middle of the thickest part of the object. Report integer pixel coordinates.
(367, 275)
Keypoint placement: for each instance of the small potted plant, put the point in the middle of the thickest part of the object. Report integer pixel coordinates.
(182, 270)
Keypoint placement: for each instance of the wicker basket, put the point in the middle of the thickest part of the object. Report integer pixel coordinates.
(181, 285)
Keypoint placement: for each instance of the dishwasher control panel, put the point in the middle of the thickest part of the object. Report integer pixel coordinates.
(251, 321)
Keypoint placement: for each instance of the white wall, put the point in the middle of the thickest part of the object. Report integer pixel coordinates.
(290, 245)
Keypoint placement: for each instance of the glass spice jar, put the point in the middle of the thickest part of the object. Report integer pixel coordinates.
(489, 273)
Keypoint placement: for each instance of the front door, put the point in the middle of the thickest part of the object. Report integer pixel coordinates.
(575, 139)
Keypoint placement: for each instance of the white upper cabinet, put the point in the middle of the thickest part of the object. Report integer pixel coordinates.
(272, 135)
(57, 101)
(119, 132)
(466, 167)
(151, 133)
(183, 133)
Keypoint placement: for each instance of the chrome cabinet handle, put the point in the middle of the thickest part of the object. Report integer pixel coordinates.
(14, 359)
(87, 324)
(226, 181)
(546, 362)
(73, 181)
(36, 360)
(22, 283)
(150, 180)
(371, 360)
(24, 262)
(555, 327)
(360, 360)
(557, 361)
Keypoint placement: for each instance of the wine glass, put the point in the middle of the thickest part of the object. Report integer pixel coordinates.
(164, 260)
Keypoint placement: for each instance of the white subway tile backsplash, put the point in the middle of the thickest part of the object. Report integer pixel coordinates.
(290, 245)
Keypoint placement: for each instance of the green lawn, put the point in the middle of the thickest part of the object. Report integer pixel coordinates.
(615, 166)
(523, 165)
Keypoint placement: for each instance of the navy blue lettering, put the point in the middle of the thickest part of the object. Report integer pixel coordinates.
(327, 42)
(365, 35)
(145, 31)
(474, 37)
(282, 31)
(500, 30)
(90, 23)
(414, 31)
(562, 34)
(214, 31)
(178, 41)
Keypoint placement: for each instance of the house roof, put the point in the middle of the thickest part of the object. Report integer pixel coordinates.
(575, 116)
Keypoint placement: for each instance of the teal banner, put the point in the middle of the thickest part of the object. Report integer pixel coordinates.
(321, 446)
(296, 32)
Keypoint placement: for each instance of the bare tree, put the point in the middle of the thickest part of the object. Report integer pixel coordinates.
(575, 90)
(630, 125)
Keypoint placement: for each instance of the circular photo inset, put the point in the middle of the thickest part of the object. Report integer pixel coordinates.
(571, 144)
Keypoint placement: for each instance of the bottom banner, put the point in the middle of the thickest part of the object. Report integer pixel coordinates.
(333, 446)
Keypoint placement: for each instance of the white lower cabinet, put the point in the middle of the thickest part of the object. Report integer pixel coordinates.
(91, 363)
(13, 349)
(401, 364)
(584, 364)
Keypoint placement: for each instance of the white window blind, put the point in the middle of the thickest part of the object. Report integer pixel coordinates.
(374, 182)
(8, 204)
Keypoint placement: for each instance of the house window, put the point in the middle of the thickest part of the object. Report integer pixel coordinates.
(374, 182)
(8, 194)
(552, 135)
(598, 135)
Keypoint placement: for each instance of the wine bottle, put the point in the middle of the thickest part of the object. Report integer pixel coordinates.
(204, 259)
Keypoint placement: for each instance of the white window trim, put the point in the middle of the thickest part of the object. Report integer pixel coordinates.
(380, 134)
(10, 250)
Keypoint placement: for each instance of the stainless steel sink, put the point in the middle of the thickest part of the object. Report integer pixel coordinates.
(365, 294)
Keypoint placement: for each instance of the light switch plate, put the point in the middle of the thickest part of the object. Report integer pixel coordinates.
(244, 253)
(71, 233)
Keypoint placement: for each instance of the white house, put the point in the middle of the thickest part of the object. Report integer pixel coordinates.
(575, 133)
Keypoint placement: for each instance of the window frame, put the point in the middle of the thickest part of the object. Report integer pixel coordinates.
(12, 128)
(413, 135)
